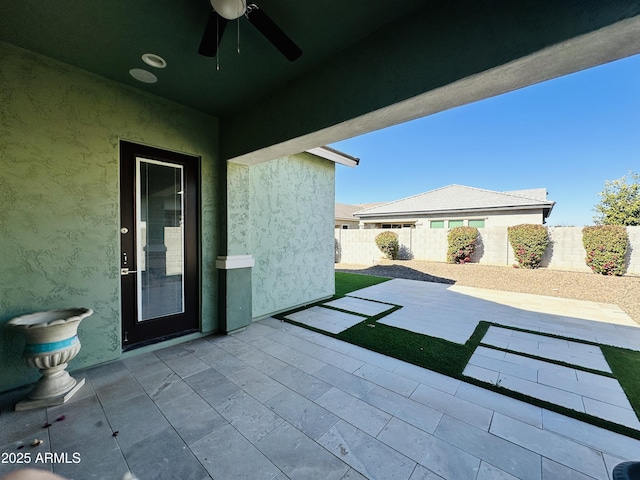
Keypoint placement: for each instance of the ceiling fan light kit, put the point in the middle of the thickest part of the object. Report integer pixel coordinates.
(226, 10)
(229, 9)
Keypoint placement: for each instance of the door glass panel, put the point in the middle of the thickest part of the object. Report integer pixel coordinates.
(160, 239)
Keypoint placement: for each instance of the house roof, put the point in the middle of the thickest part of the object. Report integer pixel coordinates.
(345, 211)
(457, 198)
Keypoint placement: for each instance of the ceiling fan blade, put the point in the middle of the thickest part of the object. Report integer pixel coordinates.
(272, 32)
(212, 35)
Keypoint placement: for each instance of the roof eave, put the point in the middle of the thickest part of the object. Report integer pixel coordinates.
(457, 210)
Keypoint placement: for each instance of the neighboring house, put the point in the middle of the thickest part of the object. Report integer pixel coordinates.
(459, 205)
(344, 218)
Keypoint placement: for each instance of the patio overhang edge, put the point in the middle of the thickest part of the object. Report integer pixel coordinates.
(607, 44)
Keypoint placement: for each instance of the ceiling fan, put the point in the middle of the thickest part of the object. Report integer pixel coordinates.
(226, 10)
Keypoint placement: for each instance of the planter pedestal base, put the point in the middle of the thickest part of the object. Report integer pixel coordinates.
(28, 403)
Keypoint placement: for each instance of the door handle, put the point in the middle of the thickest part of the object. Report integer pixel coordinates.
(126, 271)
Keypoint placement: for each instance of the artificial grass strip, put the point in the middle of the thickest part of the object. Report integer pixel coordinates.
(625, 365)
(350, 282)
(437, 354)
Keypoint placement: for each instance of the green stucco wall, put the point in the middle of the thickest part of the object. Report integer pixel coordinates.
(60, 129)
(237, 299)
(288, 229)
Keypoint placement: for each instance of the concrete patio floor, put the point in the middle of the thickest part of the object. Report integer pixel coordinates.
(279, 401)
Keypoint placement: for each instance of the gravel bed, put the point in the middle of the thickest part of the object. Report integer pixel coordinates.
(622, 291)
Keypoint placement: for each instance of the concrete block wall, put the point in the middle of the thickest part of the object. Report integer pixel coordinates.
(493, 247)
(358, 246)
(564, 252)
(633, 250)
(430, 244)
(173, 241)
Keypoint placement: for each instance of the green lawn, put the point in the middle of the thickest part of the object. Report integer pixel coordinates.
(450, 358)
(350, 282)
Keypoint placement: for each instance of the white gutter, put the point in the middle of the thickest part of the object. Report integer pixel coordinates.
(335, 156)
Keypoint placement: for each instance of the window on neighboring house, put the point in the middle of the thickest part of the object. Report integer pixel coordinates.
(476, 223)
(456, 223)
(397, 225)
(437, 223)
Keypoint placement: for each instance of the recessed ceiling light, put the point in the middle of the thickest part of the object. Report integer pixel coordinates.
(143, 75)
(154, 60)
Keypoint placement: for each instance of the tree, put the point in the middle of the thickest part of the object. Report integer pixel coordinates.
(619, 202)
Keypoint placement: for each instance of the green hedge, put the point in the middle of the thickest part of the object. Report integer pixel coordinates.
(529, 241)
(606, 247)
(388, 244)
(461, 244)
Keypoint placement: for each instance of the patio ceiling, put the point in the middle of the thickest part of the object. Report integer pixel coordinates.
(109, 37)
(366, 64)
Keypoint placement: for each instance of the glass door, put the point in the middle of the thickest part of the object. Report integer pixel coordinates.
(160, 239)
(159, 247)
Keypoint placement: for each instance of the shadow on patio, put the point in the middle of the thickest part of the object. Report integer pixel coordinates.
(397, 271)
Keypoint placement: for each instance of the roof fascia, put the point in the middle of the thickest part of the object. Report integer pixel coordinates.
(335, 156)
(453, 211)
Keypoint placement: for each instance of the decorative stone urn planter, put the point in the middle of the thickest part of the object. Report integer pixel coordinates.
(52, 341)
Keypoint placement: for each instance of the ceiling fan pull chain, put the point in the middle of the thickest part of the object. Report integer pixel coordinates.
(218, 42)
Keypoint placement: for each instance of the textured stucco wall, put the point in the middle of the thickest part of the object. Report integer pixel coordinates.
(59, 197)
(289, 229)
(238, 209)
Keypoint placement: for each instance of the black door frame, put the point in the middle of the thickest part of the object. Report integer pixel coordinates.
(137, 334)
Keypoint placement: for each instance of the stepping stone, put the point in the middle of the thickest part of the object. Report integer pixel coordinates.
(587, 392)
(573, 353)
(358, 305)
(325, 319)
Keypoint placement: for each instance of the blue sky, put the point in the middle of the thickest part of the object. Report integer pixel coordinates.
(568, 135)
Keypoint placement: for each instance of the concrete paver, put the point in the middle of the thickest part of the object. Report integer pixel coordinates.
(326, 319)
(358, 305)
(574, 353)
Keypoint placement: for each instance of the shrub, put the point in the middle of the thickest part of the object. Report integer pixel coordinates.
(388, 244)
(529, 241)
(606, 247)
(462, 242)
